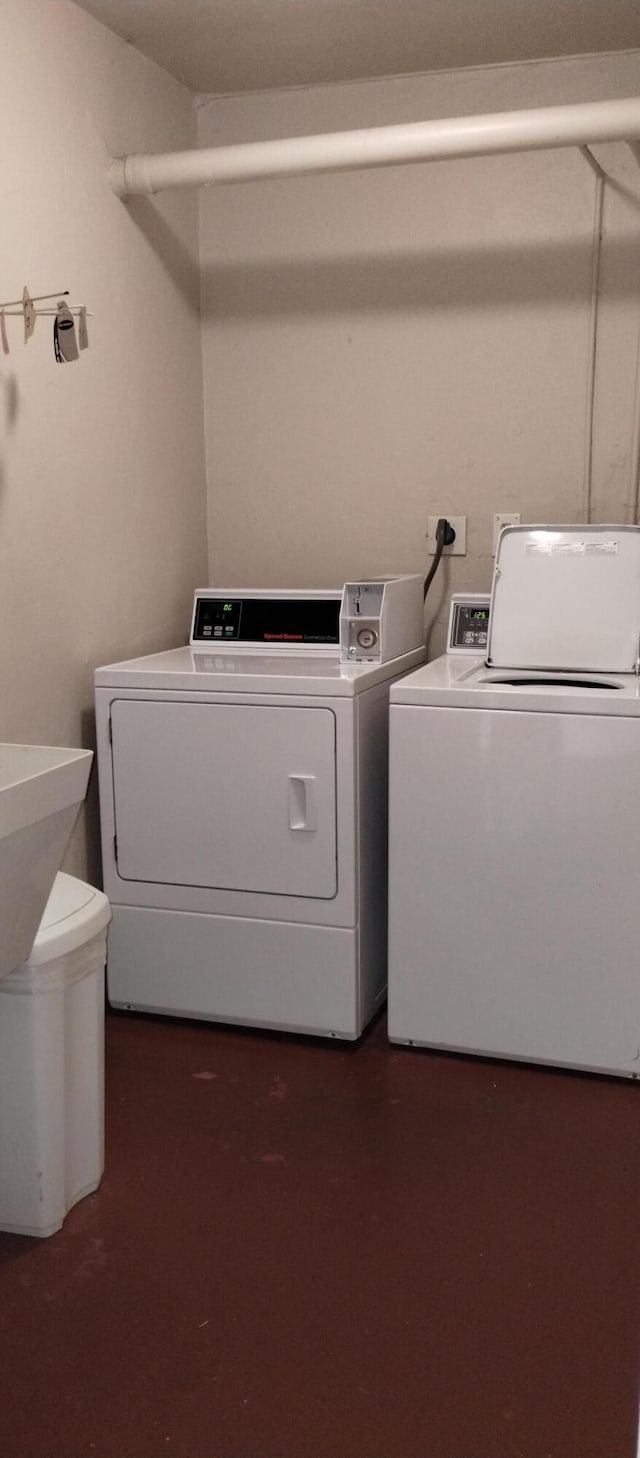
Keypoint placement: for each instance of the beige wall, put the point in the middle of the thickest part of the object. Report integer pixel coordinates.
(383, 346)
(377, 348)
(102, 488)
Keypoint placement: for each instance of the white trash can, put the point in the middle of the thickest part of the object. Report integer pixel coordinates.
(52, 1063)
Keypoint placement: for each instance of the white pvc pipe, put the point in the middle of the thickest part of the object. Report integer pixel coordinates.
(596, 259)
(470, 136)
(633, 507)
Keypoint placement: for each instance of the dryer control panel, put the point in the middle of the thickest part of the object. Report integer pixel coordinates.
(469, 623)
(266, 620)
(370, 621)
(381, 618)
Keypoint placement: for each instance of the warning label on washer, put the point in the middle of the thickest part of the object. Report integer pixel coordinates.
(575, 549)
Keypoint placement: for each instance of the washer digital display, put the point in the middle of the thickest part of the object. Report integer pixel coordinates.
(469, 624)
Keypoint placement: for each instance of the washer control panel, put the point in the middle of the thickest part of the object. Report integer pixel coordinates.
(469, 623)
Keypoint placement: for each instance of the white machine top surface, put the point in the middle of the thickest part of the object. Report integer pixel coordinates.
(450, 682)
(250, 673)
(566, 598)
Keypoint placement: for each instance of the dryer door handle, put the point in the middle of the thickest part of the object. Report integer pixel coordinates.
(303, 803)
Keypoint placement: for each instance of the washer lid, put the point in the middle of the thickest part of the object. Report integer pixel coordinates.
(567, 598)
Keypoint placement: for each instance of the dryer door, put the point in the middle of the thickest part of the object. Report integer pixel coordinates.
(239, 797)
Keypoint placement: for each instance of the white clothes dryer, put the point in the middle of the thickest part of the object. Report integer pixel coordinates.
(243, 794)
(514, 850)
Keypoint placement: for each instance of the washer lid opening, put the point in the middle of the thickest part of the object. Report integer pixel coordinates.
(550, 681)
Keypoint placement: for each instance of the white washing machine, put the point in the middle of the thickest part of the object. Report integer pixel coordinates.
(514, 850)
(243, 794)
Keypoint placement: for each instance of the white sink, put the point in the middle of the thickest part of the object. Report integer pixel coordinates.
(41, 790)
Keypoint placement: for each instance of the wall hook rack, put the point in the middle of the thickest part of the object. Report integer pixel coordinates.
(63, 313)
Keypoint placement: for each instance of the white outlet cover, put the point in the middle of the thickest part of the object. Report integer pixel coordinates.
(502, 519)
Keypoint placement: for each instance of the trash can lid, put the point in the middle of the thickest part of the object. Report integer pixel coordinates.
(74, 913)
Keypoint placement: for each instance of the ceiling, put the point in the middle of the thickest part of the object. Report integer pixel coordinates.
(220, 46)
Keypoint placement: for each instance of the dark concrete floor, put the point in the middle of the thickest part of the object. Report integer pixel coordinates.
(306, 1250)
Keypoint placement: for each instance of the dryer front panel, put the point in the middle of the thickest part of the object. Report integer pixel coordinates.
(237, 797)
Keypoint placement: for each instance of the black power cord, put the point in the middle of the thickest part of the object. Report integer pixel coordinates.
(445, 537)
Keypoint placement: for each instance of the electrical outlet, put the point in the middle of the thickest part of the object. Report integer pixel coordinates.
(502, 519)
(459, 524)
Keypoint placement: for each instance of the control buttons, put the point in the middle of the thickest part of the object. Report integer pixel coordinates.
(367, 638)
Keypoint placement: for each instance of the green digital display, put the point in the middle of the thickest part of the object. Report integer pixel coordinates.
(470, 627)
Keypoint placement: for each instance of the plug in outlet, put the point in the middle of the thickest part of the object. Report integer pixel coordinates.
(459, 524)
(502, 519)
